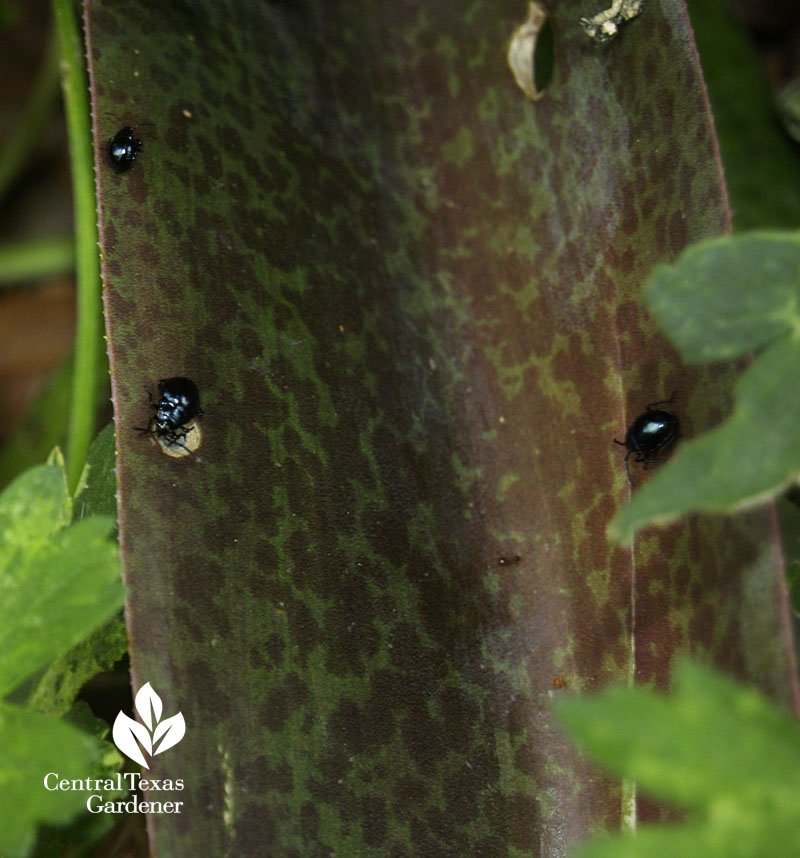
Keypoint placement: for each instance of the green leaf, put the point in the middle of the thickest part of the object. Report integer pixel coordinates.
(96, 493)
(713, 745)
(33, 745)
(57, 688)
(58, 583)
(728, 296)
(76, 838)
(734, 840)
(34, 507)
(710, 739)
(748, 458)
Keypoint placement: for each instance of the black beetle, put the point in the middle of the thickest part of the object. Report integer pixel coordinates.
(650, 434)
(123, 148)
(178, 404)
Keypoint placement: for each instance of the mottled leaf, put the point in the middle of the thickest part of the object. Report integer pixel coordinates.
(409, 297)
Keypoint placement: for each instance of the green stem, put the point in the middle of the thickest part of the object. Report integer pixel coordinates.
(29, 127)
(88, 342)
(33, 260)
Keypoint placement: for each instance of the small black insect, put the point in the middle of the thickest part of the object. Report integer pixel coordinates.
(177, 406)
(123, 148)
(650, 434)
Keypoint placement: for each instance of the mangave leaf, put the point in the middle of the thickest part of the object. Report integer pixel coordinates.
(409, 297)
(714, 746)
(729, 296)
(34, 745)
(59, 583)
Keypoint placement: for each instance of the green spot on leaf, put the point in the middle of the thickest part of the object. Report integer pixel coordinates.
(504, 484)
(460, 149)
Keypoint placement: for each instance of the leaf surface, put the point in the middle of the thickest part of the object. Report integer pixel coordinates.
(410, 300)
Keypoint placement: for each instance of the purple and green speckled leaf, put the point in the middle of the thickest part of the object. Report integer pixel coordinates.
(410, 299)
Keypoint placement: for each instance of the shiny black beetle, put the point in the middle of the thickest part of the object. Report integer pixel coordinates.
(178, 404)
(650, 434)
(123, 148)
